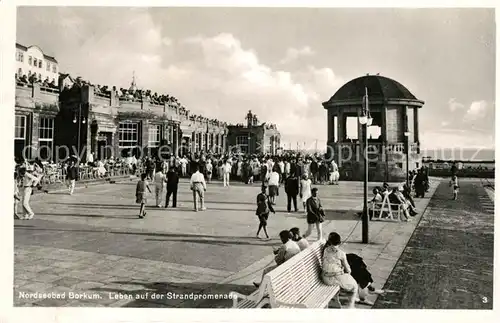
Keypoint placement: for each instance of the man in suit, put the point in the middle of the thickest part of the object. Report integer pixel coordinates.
(172, 185)
(292, 190)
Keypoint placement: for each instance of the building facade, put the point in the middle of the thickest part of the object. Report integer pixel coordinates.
(393, 136)
(110, 125)
(254, 137)
(32, 61)
(36, 108)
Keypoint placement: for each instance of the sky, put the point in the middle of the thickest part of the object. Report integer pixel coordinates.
(282, 63)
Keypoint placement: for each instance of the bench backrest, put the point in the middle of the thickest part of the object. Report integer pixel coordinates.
(294, 278)
(385, 205)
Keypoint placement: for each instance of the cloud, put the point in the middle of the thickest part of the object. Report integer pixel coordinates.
(216, 76)
(477, 110)
(293, 54)
(453, 105)
(229, 79)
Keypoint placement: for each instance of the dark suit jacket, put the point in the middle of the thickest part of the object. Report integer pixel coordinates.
(292, 186)
(172, 180)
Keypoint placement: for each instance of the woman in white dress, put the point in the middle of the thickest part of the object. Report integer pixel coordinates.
(305, 190)
(239, 167)
(101, 170)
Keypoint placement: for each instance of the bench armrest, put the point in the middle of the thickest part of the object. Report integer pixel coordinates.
(293, 305)
(254, 297)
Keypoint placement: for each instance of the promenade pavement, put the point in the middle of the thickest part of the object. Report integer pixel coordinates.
(448, 262)
(93, 250)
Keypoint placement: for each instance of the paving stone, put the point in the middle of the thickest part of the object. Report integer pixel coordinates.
(452, 242)
(46, 278)
(27, 275)
(38, 287)
(87, 285)
(20, 282)
(67, 282)
(143, 256)
(66, 265)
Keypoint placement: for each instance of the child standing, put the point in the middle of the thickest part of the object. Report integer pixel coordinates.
(140, 196)
(454, 186)
(263, 208)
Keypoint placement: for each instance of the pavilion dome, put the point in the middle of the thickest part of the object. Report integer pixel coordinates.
(379, 87)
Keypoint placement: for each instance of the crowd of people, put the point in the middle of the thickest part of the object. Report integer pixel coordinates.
(24, 80)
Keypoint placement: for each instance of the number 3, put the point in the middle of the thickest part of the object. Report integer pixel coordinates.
(484, 299)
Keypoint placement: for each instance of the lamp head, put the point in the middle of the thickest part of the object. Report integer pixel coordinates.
(363, 120)
(407, 133)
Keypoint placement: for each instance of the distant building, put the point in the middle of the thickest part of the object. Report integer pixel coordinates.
(31, 60)
(254, 137)
(118, 123)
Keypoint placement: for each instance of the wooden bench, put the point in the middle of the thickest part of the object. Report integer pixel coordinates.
(295, 284)
(377, 209)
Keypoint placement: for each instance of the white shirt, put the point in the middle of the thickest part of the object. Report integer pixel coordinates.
(282, 166)
(334, 166)
(183, 162)
(274, 179)
(227, 168)
(30, 180)
(303, 244)
(198, 178)
(287, 167)
(159, 178)
(270, 165)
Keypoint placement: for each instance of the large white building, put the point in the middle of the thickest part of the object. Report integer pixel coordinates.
(31, 60)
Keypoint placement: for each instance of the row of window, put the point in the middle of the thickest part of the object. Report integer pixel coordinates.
(45, 129)
(128, 133)
(36, 62)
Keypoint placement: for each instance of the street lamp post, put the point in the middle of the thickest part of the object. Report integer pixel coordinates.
(80, 122)
(365, 120)
(407, 148)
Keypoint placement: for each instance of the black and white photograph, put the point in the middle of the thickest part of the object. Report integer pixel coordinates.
(252, 157)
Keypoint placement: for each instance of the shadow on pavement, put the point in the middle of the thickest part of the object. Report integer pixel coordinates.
(193, 238)
(90, 215)
(255, 242)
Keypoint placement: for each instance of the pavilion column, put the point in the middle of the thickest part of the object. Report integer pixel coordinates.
(331, 124)
(340, 127)
(384, 128)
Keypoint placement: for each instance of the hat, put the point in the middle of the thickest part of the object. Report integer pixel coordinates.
(314, 189)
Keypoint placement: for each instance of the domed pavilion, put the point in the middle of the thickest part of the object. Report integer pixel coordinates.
(394, 124)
